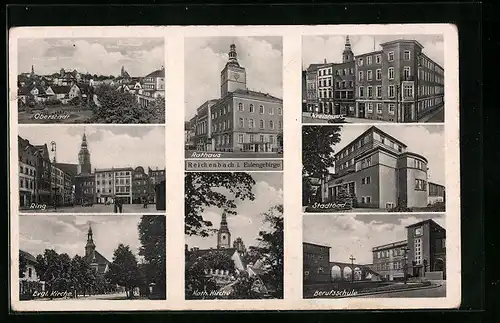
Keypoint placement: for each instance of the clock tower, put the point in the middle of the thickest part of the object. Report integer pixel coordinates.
(223, 235)
(233, 76)
(84, 166)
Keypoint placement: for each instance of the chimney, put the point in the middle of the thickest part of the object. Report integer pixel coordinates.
(325, 60)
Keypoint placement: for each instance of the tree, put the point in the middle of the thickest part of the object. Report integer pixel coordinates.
(154, 112)
(271, 247)
(152, 237)
(54, 269)
(198, 278)
(204, 190)
(124, 270)
(23, 264)
(317, 149)
(114, 106)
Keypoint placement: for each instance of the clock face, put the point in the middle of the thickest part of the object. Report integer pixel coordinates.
(236, 76)
(418, 231)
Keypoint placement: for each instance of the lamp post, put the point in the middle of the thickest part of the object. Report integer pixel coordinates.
(405, 265)
(352, 268)
(53, 172)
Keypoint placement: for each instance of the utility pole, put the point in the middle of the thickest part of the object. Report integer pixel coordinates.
(405, 265)
(352, 268)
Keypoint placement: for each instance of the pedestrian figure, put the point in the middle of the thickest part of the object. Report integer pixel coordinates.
(145, 200)
(120, 206)
(115, 205)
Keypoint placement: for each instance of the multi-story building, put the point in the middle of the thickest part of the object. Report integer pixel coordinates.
(344, 83)
(312, 88)
(85, 191)
(241, 120)
(141, 188)
(427, 248)
(398, 83)
(43, 175)
(304, 91)
(153, 86)
(422, 254)
(325, 88)
(190, 133)
(57, 181)
(377, 171)
(28, 164)
(111, 183)
(316, 263)
(389, 260)
(30, 281)
(157, 184)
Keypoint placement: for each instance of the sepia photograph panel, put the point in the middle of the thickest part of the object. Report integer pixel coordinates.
(357, 168)
(91, 169)
(234, 90)
(374, 256)
(373, 79)
(83, 257)
(91, 80)
(234, 235)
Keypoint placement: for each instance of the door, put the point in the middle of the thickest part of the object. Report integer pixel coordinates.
(361, 112)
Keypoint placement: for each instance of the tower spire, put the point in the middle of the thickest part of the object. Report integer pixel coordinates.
(223, 236)
(90, 246)
(347, 55)
(233, 55)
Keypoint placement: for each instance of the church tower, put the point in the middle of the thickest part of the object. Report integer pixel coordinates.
(233, 76)
(223, 235)
(32, 71)
(84, 166)
(90, 246)
(239, 245)
(347, 55)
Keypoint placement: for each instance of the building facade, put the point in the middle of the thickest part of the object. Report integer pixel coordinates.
(141, 187)
(376, 171)
(389, 260)
(316, 263)
(85, 189)
(436, 193)
(153, 86)
(112, 183)
(242, 120)
(398, 83)
(28, 164)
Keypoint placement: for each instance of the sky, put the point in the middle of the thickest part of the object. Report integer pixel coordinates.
(350, 234)
(262, 57)
(316, 48)
(426, 140)
(247, 223)
(109, 146)
(101, 56)
(68, 233)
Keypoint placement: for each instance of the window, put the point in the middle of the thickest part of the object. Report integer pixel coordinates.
(251, 138)
(351, 84)
(406, 55)
(420, 185)
(360, 76)
(379, 108)
(370, 91)
(360, 62)
(251, 123)
(390, 72)
(271, 111)
(368, 199)
(391, 91)
(261, 124)
(241, 123)
(351, 71)
(280, 111)
(378, 91)
(407, 72)
(361, 92)
(251, 108)
(279, 125)
(240, 106)
(390, 56)
(369, 107)
(378, 59)
(369, 60)
(391, 108)
(408, 90)
(261, 109)
(369, 74)
(271, 124)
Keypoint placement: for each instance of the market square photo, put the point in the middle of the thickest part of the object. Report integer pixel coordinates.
(91, 169)
(374, 256)
(233, 93)
(358, 168)
(234, 235)
(373, 79)
(83, 257)
(91, 80)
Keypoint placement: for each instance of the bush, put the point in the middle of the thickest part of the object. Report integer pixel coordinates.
(400, 208)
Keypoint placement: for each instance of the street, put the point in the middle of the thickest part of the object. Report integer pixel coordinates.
(435, 116)
(306, 118)
(438, 291)
(96, 208)
(189, 154)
